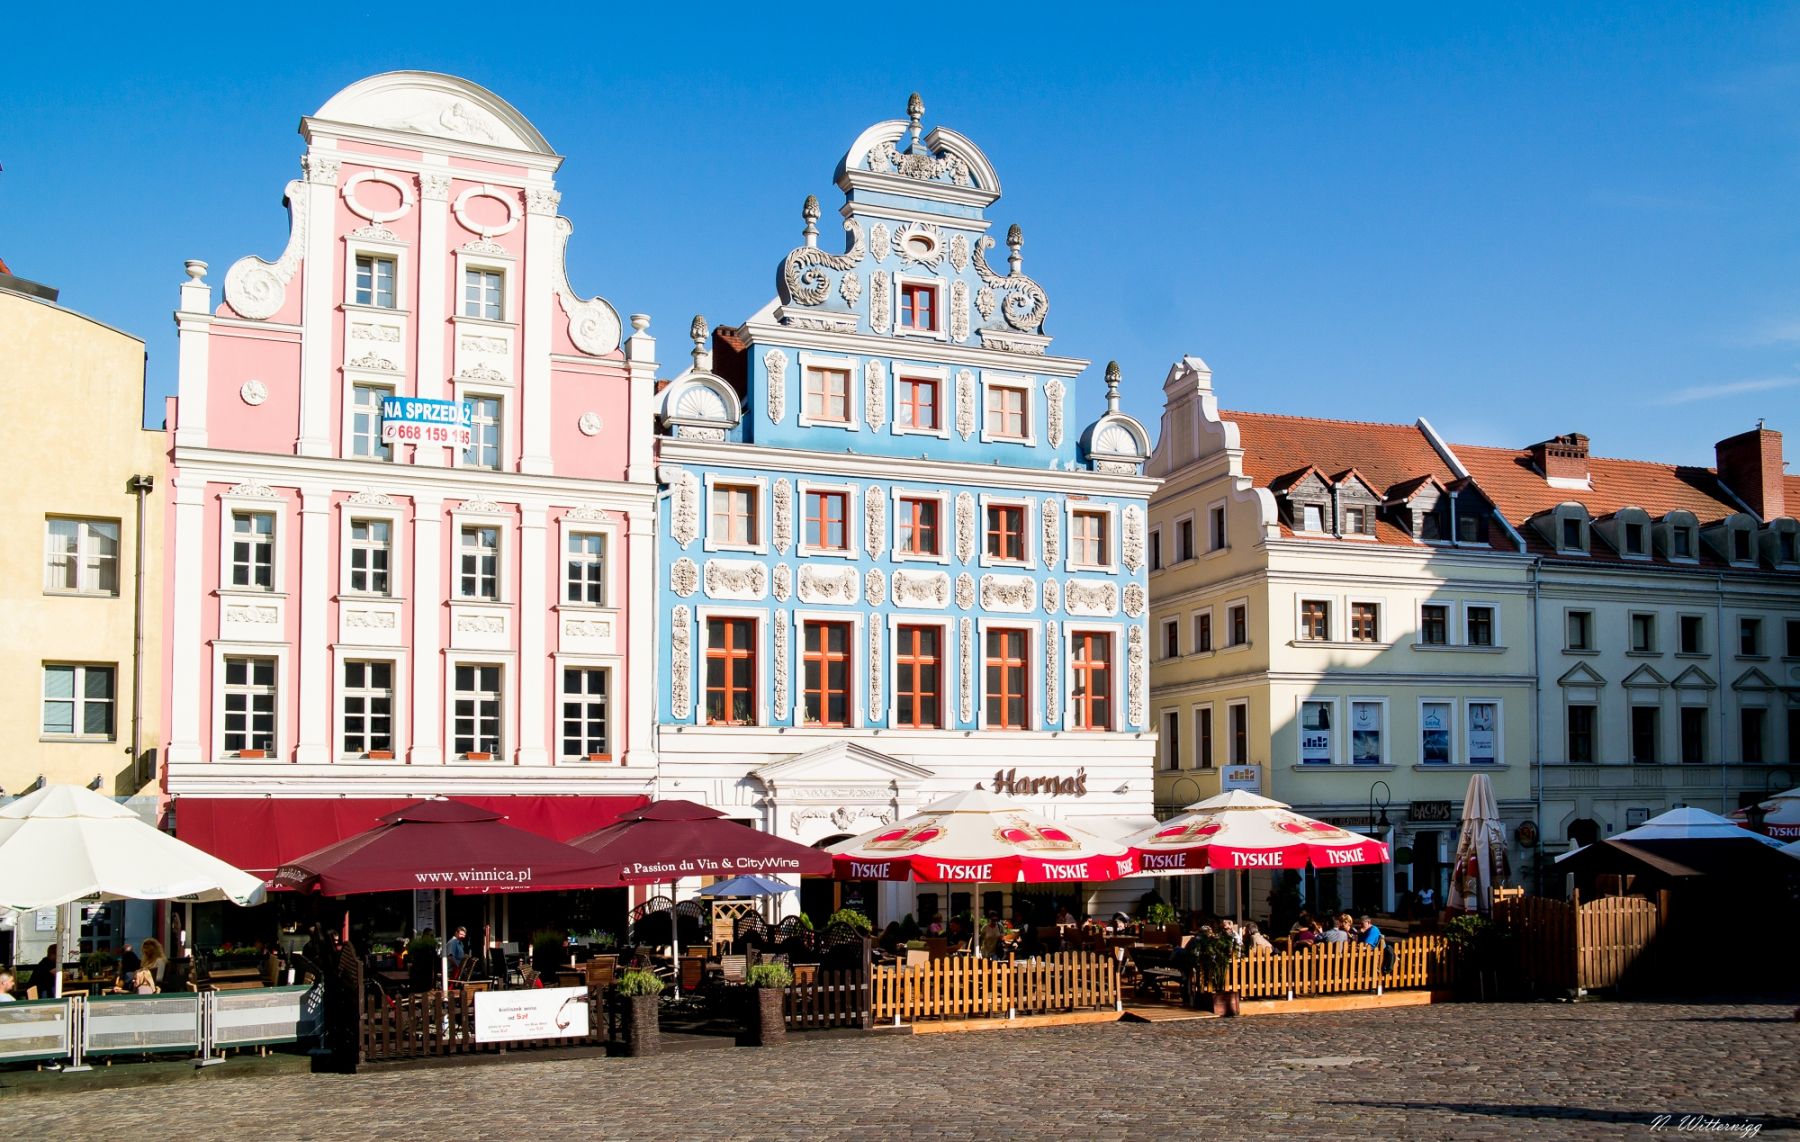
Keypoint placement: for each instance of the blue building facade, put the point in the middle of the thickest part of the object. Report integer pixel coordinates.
(891, 564)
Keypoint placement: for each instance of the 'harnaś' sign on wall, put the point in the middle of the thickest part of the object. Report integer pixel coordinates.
(411, 420)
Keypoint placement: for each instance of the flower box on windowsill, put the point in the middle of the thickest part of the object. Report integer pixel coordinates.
(252, 754)
(478, 757)
(381, 755)
(599, 757)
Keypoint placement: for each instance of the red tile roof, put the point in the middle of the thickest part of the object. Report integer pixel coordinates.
(1520, 491)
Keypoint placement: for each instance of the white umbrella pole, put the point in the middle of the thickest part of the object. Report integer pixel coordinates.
(444, 940)
(62, 949)
(675, 938)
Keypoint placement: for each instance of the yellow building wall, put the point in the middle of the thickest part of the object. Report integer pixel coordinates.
(72, 391)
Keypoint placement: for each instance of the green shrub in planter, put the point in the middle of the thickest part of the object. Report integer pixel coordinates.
(769, 976)
(637, 981)
(851, 918)
(422, 946)
(1160, 913)
(97, 965)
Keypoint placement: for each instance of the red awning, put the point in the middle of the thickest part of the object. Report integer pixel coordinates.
(260, 834)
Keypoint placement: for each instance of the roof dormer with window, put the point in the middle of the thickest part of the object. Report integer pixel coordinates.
(1355, 504)
(1565, 527)
(1677, 537)
(1779, 543)
(1628, 532)
(1733, 539)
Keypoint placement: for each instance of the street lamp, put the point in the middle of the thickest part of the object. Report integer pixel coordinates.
(1378, 822)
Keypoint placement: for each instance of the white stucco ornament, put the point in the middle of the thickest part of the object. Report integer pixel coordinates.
(590, 423)
(253, 392)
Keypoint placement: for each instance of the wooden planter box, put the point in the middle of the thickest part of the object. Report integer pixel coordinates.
(381, 755)
(765, 1022)
(478, 756)
(643, 1035)
(252, 754)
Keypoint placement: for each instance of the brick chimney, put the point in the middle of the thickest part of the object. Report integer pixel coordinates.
(1563, 460)
(1750, 465)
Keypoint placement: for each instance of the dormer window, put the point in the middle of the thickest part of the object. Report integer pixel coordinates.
(1634, 539)
(1355, 521)
(1681, 542)
(918, 307)
(1571, 535)
(1740, 545)
(1785, 547)
(1312, 517)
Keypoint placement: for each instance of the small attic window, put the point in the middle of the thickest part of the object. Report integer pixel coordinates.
(1356, 521)
(1571, 529)
(1681, 541)
(1312, 517)
(1634, 538)
(1740, 545)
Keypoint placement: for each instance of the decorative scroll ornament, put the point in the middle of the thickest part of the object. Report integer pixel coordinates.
(783, 587)
(1025, 305)
(685, 525)
(875, 392)
(878, 242)
(593, 323)
(776, 363)
(965, 526)
(875, 587)
(253, 392)
(681, 634)
(959, 252)
(959, 311)
(1052, 596)
(965, 590)
(254, 491)
(784, 516)
(485, 246)
(1134, 659)
(735, 579)
(1008, 593)
(921, 588)
(1052, 677)
(965, 403)
(1053, 394)
(875, 702)
(803, 278)
(850, 287)
(481, 624)
(917, 161)
(874, 520)
(965, 699)
(371, 499)
(781, 659)
(1134, 538)
(1052, 513)
(255, 289)
(1134, 599)
(435, 187)
(880, 310)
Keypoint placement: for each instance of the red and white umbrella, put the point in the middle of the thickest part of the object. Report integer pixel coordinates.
(1781, 818)
(978, 838)
(1239, 830)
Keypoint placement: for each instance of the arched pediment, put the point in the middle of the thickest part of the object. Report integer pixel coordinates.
(699, 404)
(431, 103)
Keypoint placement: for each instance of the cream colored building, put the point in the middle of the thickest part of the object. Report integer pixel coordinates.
(79, 695)
(1339, 621)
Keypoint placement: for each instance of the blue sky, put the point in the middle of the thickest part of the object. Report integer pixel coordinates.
(1514, 222)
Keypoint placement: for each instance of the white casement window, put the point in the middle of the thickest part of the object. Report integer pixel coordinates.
(374, 281)
(486, 431)
(483, 293)
(371, 556)
(1008, 407)
(584, 568)
(253, 550)
(1090, 538)
(478, 567)
(1437, 737)
(365, 422)
(81, 556)
(586, 713)
(367, 729)
(1482, 733)
(736, 515)
(1368, 732)
(1318, 732)
(827, 394)
(249, 706)
(1312, 517)
(79, 702)
(475, 715)
(918, 527)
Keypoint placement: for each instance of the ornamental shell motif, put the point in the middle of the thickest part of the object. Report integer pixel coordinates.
(1134, 599)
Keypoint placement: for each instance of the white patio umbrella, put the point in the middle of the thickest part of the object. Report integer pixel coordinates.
(1480, 848)
(1689, 823)
(64, 843)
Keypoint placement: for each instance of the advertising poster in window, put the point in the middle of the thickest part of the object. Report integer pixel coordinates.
(1365, 733)
(1315, 733)
(1482, 746)
(412, 420)
(1434, 733)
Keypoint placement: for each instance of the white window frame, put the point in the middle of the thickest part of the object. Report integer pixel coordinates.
(765, 522)
(353, 289)
(509, 688)
(348, 515)
(1381, 620)
(853, 521)
(1111, 555)
(856, 676)
(992, 379)
(486, 264)
(852, 368)
(1034, 670)
(1387, 736)
(940, 302)
(614, 709)
(280, 507)
(397, 668)
(1028, 504)
(354, 379)
(1455, 735)
(1468, 752)
(279, 652)
(486, 391)
(1493, 608)
(763, 682)
(504, 522)
(938, 374)
(946, 526)
(1302, 701)
(81, 556)
(947, 671)
(78, 702)
(608, 531)
(1224, 517)
(355, 248)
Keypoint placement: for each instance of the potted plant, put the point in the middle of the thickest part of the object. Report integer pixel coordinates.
(765, 1022)
(1211, 955)
(639, 992)
(548, 952)
(381, 755)
(98, 965)
(1481, 951)
(851, 918)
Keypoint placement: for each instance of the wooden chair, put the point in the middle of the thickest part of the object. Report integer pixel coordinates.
(693, 972)
(602, 970)
(938, 946)
(734, 968)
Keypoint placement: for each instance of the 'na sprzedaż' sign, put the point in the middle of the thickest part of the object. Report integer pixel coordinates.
(411, 420)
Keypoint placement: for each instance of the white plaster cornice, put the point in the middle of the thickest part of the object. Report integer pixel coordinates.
(407, 479)
(868, 345)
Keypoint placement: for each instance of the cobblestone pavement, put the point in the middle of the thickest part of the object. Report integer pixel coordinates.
(1537, 1071)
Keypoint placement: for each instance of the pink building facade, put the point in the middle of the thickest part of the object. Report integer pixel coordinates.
(407, 598)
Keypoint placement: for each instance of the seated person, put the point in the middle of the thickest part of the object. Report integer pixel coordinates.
(992, 936)
(43, 974)
(6, 987)
(1367, 932)
(1064, 916)
(1255, 943)
(1339, 931)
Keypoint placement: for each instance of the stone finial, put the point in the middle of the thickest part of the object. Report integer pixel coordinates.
(1112, 386)
(809, 211)
(698, 331)
(1015, 241)
(196, 269)
(915, 112)
(640, 322)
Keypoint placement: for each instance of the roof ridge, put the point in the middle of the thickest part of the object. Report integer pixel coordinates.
(1227, 414)
(1525, 453)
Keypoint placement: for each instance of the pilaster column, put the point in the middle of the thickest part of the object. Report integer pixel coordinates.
(186, 643)
(640, 674)
(535, 616)
(534, 331)
(318, 372)
(193, 325)
(427, 712)
(640, 357)
(314, 649)
(433, 269)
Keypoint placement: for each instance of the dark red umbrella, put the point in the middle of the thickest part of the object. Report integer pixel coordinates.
(444, 845)
(667, 840)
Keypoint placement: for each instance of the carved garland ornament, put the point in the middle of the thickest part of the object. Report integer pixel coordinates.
(684, 577)
(1052, 679)
(776, 362)
(959, 311)
(1134, 658)
(783, 586)
(1053, 394)
(828, 584)
(1052, 596)
(874, 520)
(921, 588)
(371, 499)
(1052, 510)
(1134, 599)
(784, 516)
(965, 699)
(1134, 538)
(255, 289)
(879, 309)
(965, 590)
(875, 393)
(919, 164)
(875, 702)
(1007, 593)
(1102, 598)
(965, 526)
(685, 526)
(680, 685)
(781, 659)
(735, 579)
(965, 403)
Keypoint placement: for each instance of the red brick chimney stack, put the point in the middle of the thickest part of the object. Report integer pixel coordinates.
(1563, 458)
(1750, 465)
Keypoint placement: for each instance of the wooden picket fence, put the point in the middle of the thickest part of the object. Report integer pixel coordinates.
(1565, 945)
(831, 999)
(966, 987)
(433, 1025)
(1333, 969)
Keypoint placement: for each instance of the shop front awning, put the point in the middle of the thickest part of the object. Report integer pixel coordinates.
(260, 834)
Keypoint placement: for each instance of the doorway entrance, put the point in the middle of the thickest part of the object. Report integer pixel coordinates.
(821, 896)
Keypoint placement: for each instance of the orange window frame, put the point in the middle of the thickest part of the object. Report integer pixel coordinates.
(828, 394)
(1088, 539)
(918, 403)
(1005, 660)
(825, 511)
(1090, 660)
(1006, 532)
(917, 648)
(729, 642)
(919, 526)
(817, 657)
(918, 306)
